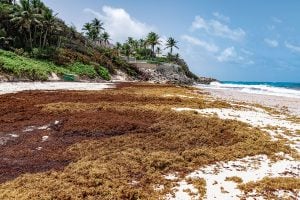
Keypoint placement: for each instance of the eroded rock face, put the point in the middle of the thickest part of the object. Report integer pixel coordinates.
(205, 80)
(170, 73)
(167, 73)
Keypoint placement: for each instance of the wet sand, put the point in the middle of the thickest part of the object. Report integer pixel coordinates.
(280, 103)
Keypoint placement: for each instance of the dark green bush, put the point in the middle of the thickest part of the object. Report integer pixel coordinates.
(103, 72)
(83, 70)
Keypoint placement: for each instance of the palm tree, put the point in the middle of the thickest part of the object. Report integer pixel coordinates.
(152, 40)
(126, 49)
(158, 51)
(90, 31)
(171, 43)
(37, 6)
(105, 38)
(24, 18)
(98, 25)
(118, 47)
(49, 23)
(97, 28)
(142, 44)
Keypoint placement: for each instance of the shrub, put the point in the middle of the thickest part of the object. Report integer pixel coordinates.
(103, 72)
(83, 70)
(23, 67)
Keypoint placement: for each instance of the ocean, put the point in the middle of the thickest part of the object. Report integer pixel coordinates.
(284, 89)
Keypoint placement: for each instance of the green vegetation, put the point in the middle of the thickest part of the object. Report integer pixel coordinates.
(103, 72)
(83, 70)
(139, 49)
(33, 69)
(31, 29)
(21, 67)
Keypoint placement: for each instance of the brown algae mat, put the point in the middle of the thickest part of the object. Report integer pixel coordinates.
(114, 144)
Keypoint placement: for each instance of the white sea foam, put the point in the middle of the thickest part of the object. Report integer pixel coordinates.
(255, 89)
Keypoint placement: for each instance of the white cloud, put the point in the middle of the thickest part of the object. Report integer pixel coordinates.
(271, 43)
(231, 55)
(276, 20)
(120, 25)
(228, 54)
(292, 47)
(221, 17)
(216, 28)
(195, 41)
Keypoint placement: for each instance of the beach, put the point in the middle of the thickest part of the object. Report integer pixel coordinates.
(280, 103)
(153, 141)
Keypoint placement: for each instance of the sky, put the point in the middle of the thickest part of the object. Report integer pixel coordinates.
(232, 40)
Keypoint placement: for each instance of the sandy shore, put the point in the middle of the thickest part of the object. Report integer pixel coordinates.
(280, 103)
(13, 87)
(47, 131)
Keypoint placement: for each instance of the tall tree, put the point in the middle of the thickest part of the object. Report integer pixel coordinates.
(126, 50)
(153, 40)
(118, 47)
(49, 23)
(105, 38)
(24, 18)
(98, 25)
(158, 51)
(171, 43)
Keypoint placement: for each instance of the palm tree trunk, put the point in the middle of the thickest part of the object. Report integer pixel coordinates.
(30, 38)
(171, 50)
(41, 39)
(59, 42)
(45, 38)
(152, 50)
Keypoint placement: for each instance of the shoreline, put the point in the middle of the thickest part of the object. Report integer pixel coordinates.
(279, 103)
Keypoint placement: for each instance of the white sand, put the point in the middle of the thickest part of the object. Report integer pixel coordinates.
(13, 87)
(249, 168)
(292, 104)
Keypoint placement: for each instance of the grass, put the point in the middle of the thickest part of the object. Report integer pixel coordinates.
(83, 70)
(148, 140)
(23, 67)
(268, 186)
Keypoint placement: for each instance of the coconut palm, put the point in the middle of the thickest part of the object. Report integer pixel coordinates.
(24, 18)
(171, 43)
(98, 25)
(90, 31)
(126, 50)
(105, 38)
(152, 40)
(142, 44)
(37, 6)
(49, 23)
(118, 47)
(158, 51)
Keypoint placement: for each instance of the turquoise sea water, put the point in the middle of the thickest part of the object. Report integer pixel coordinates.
(284, 89)
(288, 85)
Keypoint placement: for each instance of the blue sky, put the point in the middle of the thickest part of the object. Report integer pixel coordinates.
(236, 40)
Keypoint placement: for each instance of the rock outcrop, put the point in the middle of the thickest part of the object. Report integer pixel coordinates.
(169, 73)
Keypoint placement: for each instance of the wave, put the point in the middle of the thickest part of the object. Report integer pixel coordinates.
(256, 89)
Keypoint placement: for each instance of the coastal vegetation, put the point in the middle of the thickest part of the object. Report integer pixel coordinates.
(32, 30)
